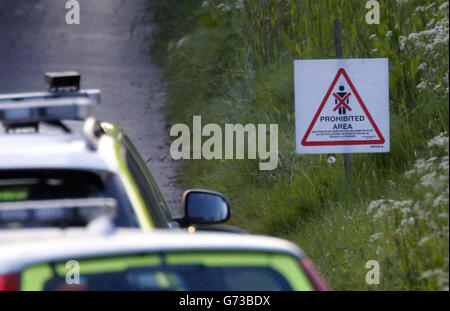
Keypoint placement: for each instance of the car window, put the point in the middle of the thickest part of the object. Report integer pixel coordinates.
(199, 271)
(147, 186)
(24, 185)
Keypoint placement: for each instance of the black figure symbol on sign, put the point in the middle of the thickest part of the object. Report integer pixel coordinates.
(341, 100)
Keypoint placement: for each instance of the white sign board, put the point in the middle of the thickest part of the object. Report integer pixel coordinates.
(342, 105)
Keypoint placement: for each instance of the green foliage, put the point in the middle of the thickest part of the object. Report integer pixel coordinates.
(231, 61)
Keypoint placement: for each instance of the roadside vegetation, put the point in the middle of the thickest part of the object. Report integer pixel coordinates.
(231, 61)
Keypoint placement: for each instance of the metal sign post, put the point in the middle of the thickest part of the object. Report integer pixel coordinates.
(338, 47)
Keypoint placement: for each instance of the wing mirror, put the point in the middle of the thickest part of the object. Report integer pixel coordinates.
(204, 207)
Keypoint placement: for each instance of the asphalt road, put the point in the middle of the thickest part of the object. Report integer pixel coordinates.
(34, 38)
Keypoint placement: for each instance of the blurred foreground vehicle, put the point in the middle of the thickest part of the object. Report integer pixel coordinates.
(102, 257)
(53, 154)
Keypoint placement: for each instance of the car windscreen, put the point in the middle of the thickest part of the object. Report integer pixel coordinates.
(194, 271)
(40, 185)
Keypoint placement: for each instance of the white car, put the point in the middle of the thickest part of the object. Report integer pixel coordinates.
(53, 152)
(101, 257)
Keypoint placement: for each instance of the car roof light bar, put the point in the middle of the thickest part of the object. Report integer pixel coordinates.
(93, 95)
(37, 107)
(58, 210)
(63, 101)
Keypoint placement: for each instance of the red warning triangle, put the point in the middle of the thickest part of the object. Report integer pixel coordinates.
(343, 121)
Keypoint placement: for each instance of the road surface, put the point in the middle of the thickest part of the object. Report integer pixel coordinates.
(34, 38)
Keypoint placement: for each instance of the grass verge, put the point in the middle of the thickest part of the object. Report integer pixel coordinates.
(232, 62)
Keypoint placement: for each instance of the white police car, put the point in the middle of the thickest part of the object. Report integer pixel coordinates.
(101, 257)
(54, 154)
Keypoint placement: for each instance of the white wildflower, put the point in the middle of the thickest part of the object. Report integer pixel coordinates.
(440, 141)
(440, 200)
(407, 221)
(419, 9)
(375, 236)
(422, 66)
(402, 41)
(431, 22)
(224, 7)
(423, 85)
(423, 240)
(430, 6)
(443, 6)
(239, 4)
(182, 41)
(430, 273)
(439, 275)
(373, 205)
(379, 251)
(429, 180)
(406, 211)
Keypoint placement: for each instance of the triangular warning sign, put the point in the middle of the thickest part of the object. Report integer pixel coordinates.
(342, 118)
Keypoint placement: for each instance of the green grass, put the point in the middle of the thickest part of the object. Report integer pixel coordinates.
(236, 66)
